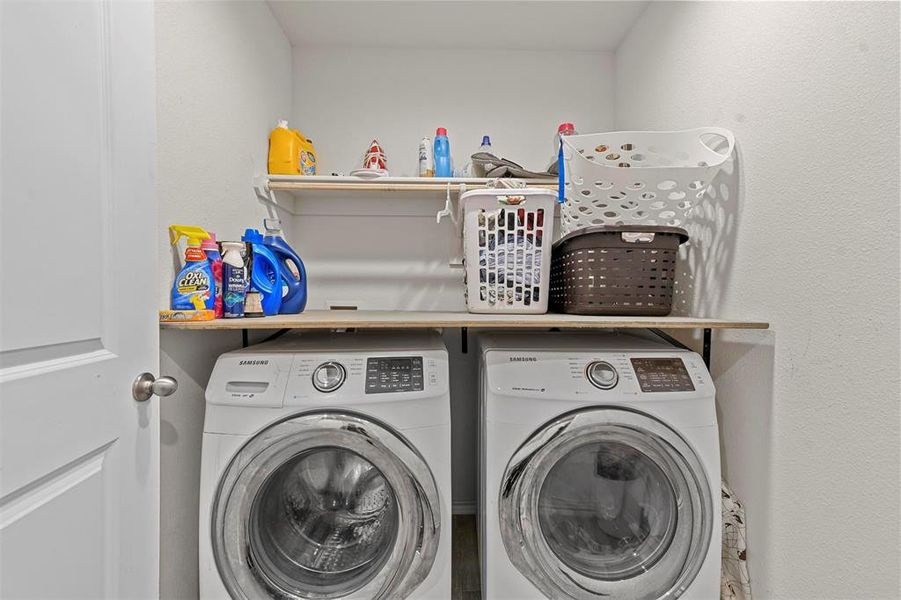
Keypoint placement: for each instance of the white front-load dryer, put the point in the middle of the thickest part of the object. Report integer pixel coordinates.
(326, 470)
(600, 469)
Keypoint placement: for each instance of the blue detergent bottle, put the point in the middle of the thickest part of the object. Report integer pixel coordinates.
(265, 275)
(442, 154)
(293, 273)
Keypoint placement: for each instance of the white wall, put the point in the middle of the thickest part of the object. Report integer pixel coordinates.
(223, 78)
(812, 93)
(388, 252)
(399, 95)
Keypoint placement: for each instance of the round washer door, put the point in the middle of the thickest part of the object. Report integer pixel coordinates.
(606, 502)
(325, 505)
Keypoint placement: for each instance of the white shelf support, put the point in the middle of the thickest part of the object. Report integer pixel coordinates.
(451, 210)
(267, 197)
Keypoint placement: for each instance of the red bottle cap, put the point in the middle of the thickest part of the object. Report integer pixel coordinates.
(441, 131)
(566, 127)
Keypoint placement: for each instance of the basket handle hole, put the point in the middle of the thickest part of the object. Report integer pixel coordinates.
(715, 143)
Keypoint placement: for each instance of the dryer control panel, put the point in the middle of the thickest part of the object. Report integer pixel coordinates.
(394, 374)
(662, 375)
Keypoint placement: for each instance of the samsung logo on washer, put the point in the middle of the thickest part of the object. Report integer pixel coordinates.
(253, 362)
(523, 359)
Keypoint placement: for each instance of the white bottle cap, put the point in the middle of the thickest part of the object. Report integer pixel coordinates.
(283, 124)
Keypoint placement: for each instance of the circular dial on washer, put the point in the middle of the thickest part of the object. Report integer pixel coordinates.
(329, 376)
(602, 375)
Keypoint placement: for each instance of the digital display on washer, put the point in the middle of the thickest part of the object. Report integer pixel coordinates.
(662, 375)
(394, 374)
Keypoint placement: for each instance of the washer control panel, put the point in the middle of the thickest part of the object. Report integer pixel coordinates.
(602, 375)
(329, 376)
(394, 374)
(662, 375)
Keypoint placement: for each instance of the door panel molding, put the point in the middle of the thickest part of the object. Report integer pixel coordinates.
(32, 496)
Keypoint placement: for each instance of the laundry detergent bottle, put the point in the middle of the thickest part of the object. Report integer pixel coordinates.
(194, 287)
(211, 249)
(265, 274)
(294, 275)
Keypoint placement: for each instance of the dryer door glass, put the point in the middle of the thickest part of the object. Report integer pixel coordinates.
(325, 505)
(606, 502)
(325, 520)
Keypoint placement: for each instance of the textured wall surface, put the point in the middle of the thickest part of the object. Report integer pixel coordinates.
(809, 411)
(223, 77)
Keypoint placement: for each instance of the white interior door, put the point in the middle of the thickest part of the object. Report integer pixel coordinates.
(79, 457)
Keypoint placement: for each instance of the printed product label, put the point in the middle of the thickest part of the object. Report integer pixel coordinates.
(234, 282)
(192, 282)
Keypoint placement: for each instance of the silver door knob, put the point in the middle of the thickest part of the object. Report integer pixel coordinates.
(146, 385)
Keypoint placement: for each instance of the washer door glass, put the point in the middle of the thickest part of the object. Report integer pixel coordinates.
(325, 506)
(607, 510)
(606, 502)
(325, 521)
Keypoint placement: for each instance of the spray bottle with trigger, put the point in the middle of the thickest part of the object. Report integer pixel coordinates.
(293, 272)
(194, 287)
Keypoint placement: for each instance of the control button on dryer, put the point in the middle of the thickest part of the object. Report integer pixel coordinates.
(329, 376)
(602, 375)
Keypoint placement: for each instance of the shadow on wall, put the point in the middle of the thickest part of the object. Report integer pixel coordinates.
(705, 261)
(188, 356)
(742, 362)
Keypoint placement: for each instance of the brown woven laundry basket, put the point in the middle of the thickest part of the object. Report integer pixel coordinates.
(616, 270)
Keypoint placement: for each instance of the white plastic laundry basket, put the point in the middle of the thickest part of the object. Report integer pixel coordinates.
(639, 177)
(507, 238)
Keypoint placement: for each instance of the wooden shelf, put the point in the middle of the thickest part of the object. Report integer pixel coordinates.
(318, 183)
(389, 319)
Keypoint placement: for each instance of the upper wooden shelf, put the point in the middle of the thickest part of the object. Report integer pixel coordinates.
(319, 183)
(391, 319)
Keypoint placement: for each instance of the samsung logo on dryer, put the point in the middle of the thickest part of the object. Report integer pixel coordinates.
(253, 362)
(523, 359)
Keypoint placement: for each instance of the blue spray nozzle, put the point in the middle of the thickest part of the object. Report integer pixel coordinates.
(486, 141)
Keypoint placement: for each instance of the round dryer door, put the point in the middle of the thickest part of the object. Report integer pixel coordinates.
(606, 502)
(325, 505)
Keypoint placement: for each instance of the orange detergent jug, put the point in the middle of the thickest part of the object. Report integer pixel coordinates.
(290, 153)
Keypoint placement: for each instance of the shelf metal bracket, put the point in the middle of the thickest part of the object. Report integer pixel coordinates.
(708, 337)
(705, 349)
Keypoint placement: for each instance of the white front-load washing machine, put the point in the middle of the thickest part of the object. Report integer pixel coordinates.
(326, 470)
(600, 469)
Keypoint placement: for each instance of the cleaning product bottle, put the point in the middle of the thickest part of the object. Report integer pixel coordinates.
(485, 147)
(563, 129)
(293, 273)
(284, 150)
(193, 288)
(442, 154)
(211, 249)
(426, 169)
(265, 276)
(306, 154)
(234, 279)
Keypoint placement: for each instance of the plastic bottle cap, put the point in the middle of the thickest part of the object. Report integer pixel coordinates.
(252, 235)
(283, 124)
(486, 141)
(566, 127)
(441, 131)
